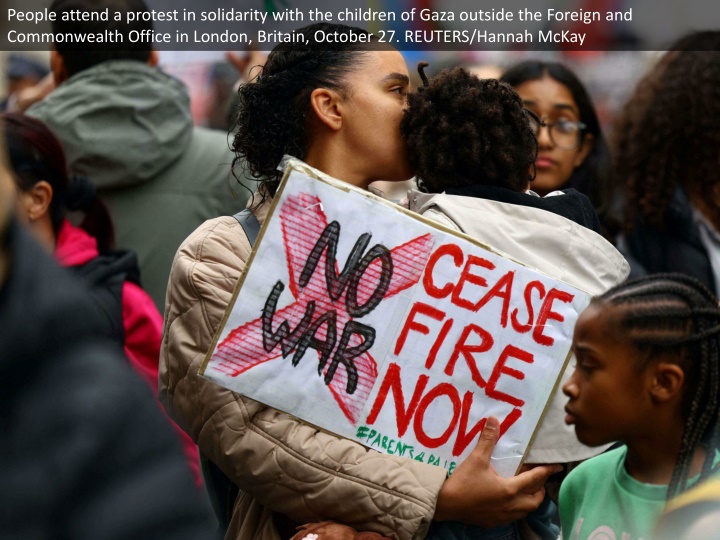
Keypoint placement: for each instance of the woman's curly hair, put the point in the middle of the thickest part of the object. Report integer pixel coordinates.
(461, 130)
(271, 119)
(667, 135)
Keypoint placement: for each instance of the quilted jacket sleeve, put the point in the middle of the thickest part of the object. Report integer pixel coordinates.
(284, 464)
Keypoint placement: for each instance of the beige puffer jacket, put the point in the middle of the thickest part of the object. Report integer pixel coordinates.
(280, 464)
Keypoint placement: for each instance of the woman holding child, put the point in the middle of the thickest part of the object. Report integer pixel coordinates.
(337, 107)
(472, 143)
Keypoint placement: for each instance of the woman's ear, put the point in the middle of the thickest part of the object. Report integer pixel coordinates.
(7, 192)
(37, 200)
(667, 382)
(326, 104)
(584, 150)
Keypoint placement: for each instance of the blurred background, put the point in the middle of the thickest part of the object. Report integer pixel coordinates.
(212, 79)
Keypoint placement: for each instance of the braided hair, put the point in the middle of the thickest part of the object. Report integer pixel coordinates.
(675, 315)
(271, 119)
(461, 130)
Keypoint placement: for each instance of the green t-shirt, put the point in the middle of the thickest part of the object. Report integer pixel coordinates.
(599, 500)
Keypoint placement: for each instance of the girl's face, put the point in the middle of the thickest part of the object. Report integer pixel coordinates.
(561, 154)
(610, 398)
(374, 106)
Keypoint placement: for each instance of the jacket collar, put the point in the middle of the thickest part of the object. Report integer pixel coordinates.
(573, 205)
(74, 246)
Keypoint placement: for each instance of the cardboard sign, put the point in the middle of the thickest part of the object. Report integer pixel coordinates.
(375, 324)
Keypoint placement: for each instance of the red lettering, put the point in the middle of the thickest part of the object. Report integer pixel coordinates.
(465, 437)
(522, 328)
(419, 404)
(456, 253)
(510, 419)
(438, 343)
(546, 314)
(411, 324)
(444, 389)
(502, 289)
(461, 348)
(392, 382)
(468, 276)
(500, 368)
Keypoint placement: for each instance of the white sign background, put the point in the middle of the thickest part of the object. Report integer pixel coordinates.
(449, 412)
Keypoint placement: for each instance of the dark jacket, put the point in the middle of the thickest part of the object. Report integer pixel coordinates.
(129, 316)
(676, 248)
(573, 205)
(84, 450)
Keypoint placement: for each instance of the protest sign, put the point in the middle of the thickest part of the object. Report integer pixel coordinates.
(378, 325)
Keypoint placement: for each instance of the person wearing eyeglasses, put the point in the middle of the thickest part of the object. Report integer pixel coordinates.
(572, 152)
(472, 147)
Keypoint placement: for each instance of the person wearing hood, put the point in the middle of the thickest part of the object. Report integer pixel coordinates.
(127, 125)
(128, 316)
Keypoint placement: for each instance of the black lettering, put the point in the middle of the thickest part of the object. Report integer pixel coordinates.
(329, 239)
(284, 336)
(325, 348)
(376, 252)
(345, 355)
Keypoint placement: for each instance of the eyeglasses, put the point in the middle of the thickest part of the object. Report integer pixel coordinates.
(565, 134)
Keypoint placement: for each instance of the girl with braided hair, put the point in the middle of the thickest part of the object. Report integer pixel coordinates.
(336, 106)
(666, 155)
(647, 375)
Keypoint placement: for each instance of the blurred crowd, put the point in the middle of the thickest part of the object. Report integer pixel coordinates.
(121, 180)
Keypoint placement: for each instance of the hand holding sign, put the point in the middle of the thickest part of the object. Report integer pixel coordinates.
(393, 332)
(475, 494)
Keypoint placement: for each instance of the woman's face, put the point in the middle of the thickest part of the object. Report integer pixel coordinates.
(373, 108)
(560, 155)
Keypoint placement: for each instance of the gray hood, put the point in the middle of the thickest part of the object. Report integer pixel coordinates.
(123, 121)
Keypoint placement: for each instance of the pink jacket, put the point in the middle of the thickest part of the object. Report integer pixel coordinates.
(142, 322)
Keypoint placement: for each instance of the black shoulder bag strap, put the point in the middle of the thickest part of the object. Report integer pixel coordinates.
(249, 223)
(221, 490)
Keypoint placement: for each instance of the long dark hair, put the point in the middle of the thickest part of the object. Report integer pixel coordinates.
(35, 154)
(272, 110)
(667, 134)
(594, 177)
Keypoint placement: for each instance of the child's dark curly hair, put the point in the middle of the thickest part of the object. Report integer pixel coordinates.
(667, 135)
(461, 131)
(271, 120)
